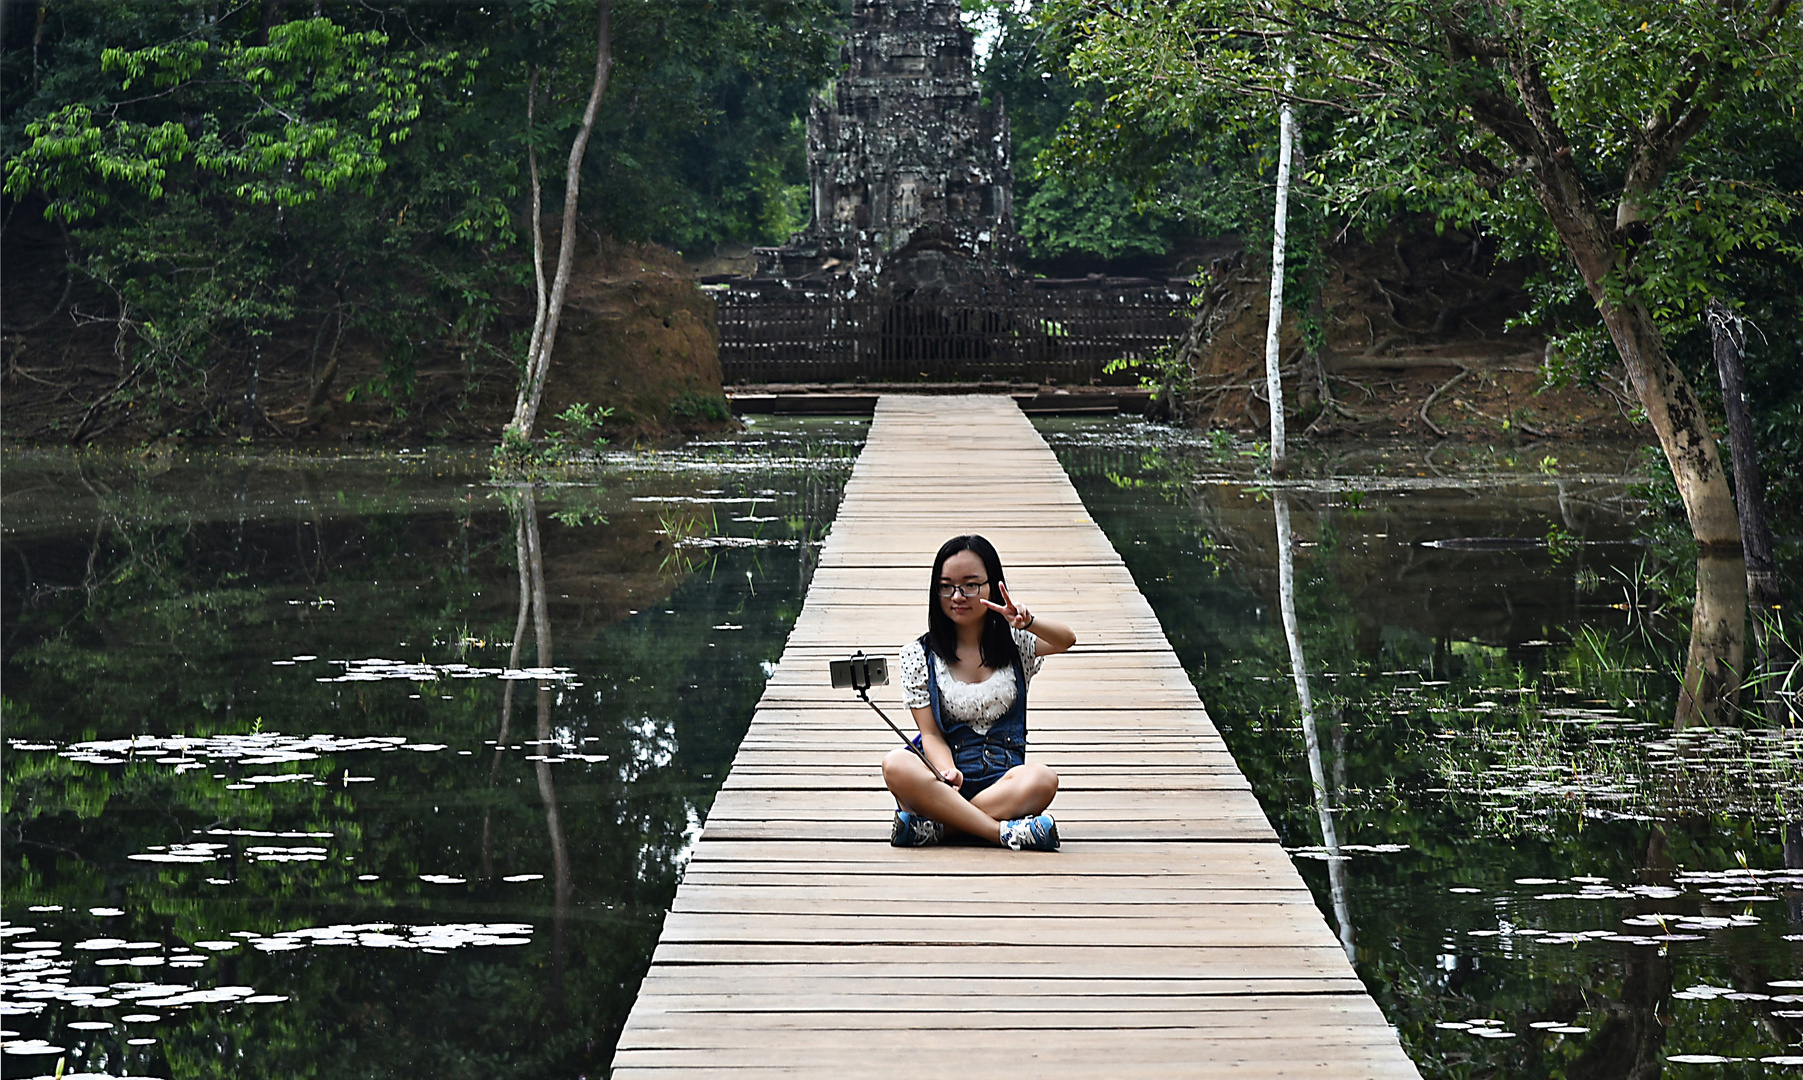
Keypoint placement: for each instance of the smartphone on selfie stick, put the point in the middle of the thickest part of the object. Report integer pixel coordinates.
(862, 672)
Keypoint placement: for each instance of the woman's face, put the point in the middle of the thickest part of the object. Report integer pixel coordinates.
(965, 568)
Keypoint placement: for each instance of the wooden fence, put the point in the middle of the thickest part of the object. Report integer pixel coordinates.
(1033, 330)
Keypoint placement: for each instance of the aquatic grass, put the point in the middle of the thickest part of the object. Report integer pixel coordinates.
(680, 530)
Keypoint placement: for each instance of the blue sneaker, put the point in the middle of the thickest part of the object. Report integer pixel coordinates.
(1037, 833)
(912, 830)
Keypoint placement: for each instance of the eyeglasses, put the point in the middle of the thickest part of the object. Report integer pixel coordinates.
(968, 591)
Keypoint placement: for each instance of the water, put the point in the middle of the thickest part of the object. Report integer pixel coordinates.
(1538, 872)
(256, 819)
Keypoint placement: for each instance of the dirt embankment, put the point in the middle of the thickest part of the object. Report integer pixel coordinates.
(1407, 336)
(637, 335)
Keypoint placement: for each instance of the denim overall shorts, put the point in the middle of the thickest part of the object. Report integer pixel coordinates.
(982, 758)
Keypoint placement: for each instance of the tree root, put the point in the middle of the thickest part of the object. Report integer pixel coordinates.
(1431, 398)
(1510, 424)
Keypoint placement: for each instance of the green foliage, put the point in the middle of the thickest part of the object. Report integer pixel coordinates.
(582, 425)
(518, 458)
(1410, 108)
(1562, 543)
(1165, 375)
(221, 189)
(233, 178)
(1061, 220)
(703, 138)
(693, 405)
(1199, 154)
(290, 121)
(1062, 216)
(514, 456)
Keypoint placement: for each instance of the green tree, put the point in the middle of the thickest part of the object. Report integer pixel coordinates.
(1063, 216)
(247, 178)
(1598, 135)
(195, 169)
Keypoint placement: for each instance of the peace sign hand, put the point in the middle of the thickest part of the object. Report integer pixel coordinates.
(1016, 614)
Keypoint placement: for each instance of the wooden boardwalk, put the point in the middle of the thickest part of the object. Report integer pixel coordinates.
(1170, 937)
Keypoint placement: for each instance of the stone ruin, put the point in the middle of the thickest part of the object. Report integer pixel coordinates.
(907, 269)
(910, 173)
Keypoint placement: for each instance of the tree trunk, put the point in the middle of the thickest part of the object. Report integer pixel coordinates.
(538, 364)
(1630, 1042)
(316, 397)
(1279, 223)
(1749, 498)
(1603, 255)
(1677, 417)
(541, 307)
(1671, 405)
(1755, 535)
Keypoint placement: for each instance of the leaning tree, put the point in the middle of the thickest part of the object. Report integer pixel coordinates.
(1591, 132)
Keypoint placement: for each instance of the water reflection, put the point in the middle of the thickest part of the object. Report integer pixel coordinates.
(1311, 741)
(1547, 875)
(523, 506)
(270, 809)
(1715, 664)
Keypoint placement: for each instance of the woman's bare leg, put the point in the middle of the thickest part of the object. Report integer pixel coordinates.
(915, 787)
(1022, 791)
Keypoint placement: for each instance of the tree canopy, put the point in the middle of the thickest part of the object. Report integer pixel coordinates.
(1645, 151)
(228, 171)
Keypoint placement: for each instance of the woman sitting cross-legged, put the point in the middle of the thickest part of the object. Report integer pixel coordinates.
(966, 680)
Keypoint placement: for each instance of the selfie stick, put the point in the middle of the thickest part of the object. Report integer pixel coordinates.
(860, 681)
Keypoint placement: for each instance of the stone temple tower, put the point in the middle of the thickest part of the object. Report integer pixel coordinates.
(911, 175)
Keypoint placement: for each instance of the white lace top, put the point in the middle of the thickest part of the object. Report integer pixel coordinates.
(977, 704)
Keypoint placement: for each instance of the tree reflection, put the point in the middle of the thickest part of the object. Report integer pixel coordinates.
(1330, 840)
(192, 608)
(1629, 1044)
(534, 608)
(513, 664)
(1793, 860)
(1502, 727)
(1718, 642)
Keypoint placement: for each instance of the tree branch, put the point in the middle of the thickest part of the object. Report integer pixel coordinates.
(1664, 137)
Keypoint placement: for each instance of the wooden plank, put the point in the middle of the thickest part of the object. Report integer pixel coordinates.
(865, 979)
(1172, 935)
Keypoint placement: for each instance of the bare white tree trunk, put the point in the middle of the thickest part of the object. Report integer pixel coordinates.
(1279, 223)
(538, 362)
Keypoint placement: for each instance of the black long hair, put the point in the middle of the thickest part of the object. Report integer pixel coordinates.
(998, 648)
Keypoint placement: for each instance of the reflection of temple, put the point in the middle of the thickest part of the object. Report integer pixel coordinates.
(906, 270)
(906, 165)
